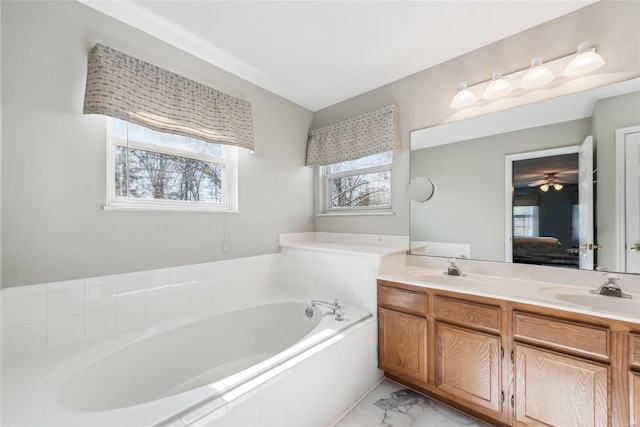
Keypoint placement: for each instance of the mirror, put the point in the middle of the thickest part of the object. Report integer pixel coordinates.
(420, 189)
(472, 215)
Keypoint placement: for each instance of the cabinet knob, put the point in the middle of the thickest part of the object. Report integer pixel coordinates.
(635, 247)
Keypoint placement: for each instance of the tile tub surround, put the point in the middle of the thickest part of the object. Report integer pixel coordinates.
(337, 265)
(36, 317)
(393, 405)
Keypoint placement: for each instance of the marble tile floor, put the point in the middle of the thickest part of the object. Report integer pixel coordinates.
(393, 405)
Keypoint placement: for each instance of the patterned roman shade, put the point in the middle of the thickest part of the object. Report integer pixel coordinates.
(369, 133)
(127, 88)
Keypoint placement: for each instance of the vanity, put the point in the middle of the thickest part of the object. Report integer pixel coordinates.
(511, 351)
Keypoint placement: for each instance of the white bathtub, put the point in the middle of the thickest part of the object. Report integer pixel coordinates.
(167, 374)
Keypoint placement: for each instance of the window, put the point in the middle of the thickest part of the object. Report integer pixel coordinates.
(356, 185)
(525, 221)
(152, 170)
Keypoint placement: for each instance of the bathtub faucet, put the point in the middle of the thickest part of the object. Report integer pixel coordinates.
(335, 306)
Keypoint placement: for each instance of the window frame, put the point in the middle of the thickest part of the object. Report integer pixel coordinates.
(229, 166)
(325, 191)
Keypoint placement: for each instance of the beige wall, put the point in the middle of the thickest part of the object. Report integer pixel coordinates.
(424, 97)
(55, 158)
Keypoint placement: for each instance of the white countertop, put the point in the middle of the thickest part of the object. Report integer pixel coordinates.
(354, 244)
(544, 294)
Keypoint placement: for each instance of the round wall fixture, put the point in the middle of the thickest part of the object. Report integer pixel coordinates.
(420, 189)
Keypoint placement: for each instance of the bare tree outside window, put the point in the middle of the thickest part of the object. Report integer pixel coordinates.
(150, 165)
(361, 183)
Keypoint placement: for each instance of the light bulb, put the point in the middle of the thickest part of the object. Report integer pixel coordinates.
(463, 98)
(585, 61)
(538, 75)
(544, 187)
(498, 87)
(557, 187)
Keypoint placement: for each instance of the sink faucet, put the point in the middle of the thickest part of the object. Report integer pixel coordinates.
(335, 306)
(453, 269)
(610, 287)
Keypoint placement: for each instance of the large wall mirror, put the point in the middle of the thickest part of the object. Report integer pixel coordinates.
(555, 182)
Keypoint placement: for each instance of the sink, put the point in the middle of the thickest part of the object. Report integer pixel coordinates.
(582, 297)
(442, 279)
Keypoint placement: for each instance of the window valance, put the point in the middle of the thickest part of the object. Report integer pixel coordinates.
(124, 87)
(368, 133)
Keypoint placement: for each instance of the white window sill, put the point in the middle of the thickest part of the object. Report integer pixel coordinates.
(364, 213)
(202, 209)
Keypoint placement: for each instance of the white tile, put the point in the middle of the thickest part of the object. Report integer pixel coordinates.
(249, 419)
(134, 276)
(21, 291)
(175, 423)
(23, 310)
(274, 386)
(181, 301)
(202, 297)
(100, 280)
(65, 285)
(181, 275)
(157, 283)
(273, 412)
(24, 339)
(131, 290)
(64, 330)
(298, 394)
(100, 297)
(217, 418)
(131, 316)
(101, 322)
(208, 414)
(157, 309)
(243, 404)
(65, 303)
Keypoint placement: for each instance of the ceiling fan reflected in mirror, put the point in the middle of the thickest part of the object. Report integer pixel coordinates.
(550, 180)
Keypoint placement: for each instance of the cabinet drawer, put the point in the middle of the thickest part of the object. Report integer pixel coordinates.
(470, 314)
(402, 300)
(576, 338)
(634, 341)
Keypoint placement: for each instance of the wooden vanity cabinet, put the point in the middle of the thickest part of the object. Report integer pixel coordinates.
(510, 363)
(561, 371)
(402, 333)
(634, 379)
(456, 354)
(468, 352)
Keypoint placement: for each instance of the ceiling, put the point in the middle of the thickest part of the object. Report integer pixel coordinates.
(564, 166)
(319, 53)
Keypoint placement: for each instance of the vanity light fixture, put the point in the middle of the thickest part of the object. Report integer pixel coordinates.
(530, 79)
(585, 61)
(498, 87)
(463, 98)
(537, 76)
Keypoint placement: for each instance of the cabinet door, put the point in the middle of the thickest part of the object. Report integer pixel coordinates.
(634, 397)
(468, 365)
(556, 390)
(402, 341)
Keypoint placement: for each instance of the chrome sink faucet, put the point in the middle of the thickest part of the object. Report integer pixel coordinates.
(335, 306)
(610, 287)
(453, 269)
